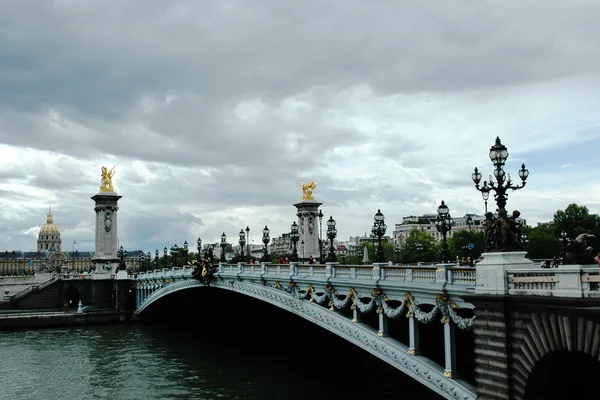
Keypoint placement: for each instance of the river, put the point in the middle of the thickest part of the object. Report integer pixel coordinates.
(143, 361)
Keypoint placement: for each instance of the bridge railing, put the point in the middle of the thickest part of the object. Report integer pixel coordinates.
(565, 281)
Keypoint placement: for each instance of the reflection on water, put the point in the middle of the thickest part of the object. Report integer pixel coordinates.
(202, 361)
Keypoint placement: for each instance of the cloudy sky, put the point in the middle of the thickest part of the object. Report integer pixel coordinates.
(213, 110)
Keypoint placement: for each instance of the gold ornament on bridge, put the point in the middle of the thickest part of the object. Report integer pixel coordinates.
(307, 189)
(106, 185)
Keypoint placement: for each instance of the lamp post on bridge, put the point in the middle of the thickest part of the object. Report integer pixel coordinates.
(165, 257)
(397, 251)
(199, 257)
(331, 234)
(321, 256)
(248, 250)
(185, 252)
(223, 246)
(174, 250)
(156, 259)
(294, 236)
(419, 248)
(266, 239)
(498, 155)
(378, 230)
(122, 253)
(444, 225)
(302, 243)
(242, 243)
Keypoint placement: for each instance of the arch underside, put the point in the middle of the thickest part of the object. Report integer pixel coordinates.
(389, 350)
(546, 333)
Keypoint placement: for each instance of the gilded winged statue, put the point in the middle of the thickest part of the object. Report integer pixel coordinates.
(307, 189)
(106, 185)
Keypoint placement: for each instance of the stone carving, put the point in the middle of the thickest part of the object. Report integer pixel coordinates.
(503, 233)
(577, 251)
(307, 189)
(106, 183)
(107, 221)
(311, 225)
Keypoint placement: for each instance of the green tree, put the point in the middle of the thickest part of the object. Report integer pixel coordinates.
(573, 217)
(461, 239)
(430, 247)
(542, 242)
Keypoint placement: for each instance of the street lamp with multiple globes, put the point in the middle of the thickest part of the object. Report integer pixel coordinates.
(156, 259)
(266, 239)
(444, 225)
(165, 257)
(174, 250)
(223, 246)
(321, 256)
(498, 155)
(186, 251)
(242, 243)
(248, 242)
(331, 234)
(378, 230)
(294, 236)
(122, 253)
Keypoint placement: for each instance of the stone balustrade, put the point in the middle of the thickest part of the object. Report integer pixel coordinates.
(566, 281)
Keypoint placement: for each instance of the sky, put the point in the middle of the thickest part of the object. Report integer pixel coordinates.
(214, 110)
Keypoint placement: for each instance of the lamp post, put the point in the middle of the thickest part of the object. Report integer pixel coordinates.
(444, 225)
(378, 230)
(265, 239)
(165, 257)
(302, 243)
(156, 259)
(122, 253)
(321, 256)
(419, 248)
(248, 242)
(331, 234)
(485, 194)
(294, 236)
(242, 243)
(223, 246)
(185, 252)
(397, 251)
(469, 221)
(199, 257)
(174, 250)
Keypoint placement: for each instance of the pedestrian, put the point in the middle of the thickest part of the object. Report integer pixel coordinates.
(311, 260)
(287, 260)
(597, 259)
(281, 260)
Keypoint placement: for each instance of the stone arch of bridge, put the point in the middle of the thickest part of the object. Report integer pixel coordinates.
(71, 296)
(390, 351)
(550, 342)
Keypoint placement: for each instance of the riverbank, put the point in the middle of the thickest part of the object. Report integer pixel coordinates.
(54, 318)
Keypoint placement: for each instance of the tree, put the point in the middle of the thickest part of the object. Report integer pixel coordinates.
(573, 217)
(461, 239)
(542, 243)
(430, 247)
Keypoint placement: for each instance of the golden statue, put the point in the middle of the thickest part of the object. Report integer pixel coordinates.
(307, 189)
(106, 185)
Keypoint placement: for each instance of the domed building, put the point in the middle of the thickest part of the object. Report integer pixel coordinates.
(49, 236)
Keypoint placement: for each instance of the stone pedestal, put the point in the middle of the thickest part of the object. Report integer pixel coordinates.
(105, 257)
(491, 272)
(308, 225)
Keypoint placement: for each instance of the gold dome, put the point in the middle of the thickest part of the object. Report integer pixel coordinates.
(49, 228)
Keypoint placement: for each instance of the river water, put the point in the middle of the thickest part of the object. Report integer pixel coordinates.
(143, 361)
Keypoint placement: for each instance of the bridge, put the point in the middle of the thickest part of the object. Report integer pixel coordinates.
(505, 320)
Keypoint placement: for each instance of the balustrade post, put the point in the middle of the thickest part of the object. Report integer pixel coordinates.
(264, 267)
(449, 348)
(293, 268)
(329, 270)
(409, 274)
(377, 271)
(413, 335)
(222, 266)
(353, 273)
(383, 322)
(441, 273)
(241, 266)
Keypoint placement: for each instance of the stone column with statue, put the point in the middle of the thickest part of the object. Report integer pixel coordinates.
(105, 258)
(307, 212)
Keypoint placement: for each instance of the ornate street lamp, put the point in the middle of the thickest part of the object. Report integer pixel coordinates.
(185, 251)
(266, 239)
(498, 155)
(248, 242)
(174, 250)
(223, 246)
(242, 243)
(419, 248)
(302, 243)
(156, 258)
(378, 230)
(321, 255)
(444, 225)
(165, 257)
(469, 221)
(199, 257)
(294, 236)
(331, 234)
(122, 253)
(485, 194)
